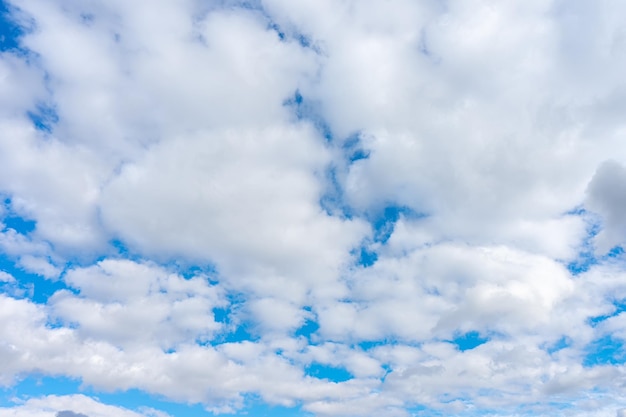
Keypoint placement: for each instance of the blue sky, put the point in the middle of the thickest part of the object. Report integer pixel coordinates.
(320, 208)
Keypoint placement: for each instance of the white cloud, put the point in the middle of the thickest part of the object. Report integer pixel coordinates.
(5, 277)
(130, 304)
(438, 290)
(55, 184)
(69, 406)
(39, 266)
(242, 199)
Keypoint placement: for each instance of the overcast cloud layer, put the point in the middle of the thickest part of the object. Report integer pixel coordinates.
(344, 207)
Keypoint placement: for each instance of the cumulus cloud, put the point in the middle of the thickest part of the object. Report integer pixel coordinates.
(39, 266)
(129, 303)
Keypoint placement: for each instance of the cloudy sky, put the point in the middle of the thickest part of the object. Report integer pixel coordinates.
(312, 208)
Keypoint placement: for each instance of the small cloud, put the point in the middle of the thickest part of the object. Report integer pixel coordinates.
(5, 277)
(39, 266)
(151, 412)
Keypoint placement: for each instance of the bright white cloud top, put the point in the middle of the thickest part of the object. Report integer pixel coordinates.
(332, 208)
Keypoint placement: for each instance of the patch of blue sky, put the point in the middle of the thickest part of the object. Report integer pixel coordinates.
(28, 284)
(577, 211)
(616, 252)
(10, 30)
(587, 256)
(241, 332)
(448, 397)
(588, 259)
(291, 34)
(276, 28)
(221, 314)
(562, 343)
(13, 220)
(37, 386)
(14, 24)
(383, 224)
(235, 330)
(20, 224)
(353, 148)
(33, 286)
(366, 345)
(187, 270)
(619, 306)
(121, 250)
(366, 257)
(333, 200)
(605, 351)
(44, 117)
(308, 110)
(384, 221)
(469, 340)
(328, 372)
(308, 329)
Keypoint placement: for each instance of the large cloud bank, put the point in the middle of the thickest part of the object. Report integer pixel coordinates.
(350, 208)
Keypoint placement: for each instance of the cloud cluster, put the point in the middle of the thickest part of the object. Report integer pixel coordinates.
(316, 204)
(47, 407)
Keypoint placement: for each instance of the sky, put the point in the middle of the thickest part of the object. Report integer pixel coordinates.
(312, 208)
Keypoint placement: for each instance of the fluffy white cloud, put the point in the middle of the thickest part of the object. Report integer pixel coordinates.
(39, 266)
(442, 289)
(243, 199)
(132, 304)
